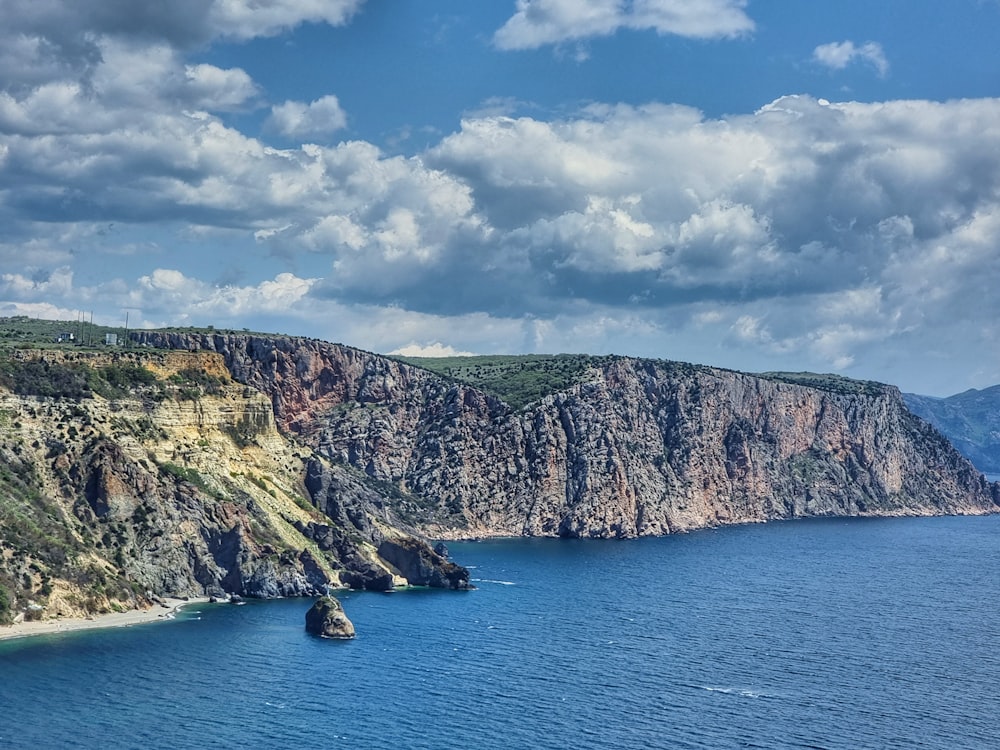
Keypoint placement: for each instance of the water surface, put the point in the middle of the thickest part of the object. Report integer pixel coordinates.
(810, 634)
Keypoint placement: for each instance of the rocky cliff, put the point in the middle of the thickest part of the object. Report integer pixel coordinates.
(632, 448)
(128, 476)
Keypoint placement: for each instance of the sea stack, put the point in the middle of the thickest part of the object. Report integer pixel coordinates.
(326, 619)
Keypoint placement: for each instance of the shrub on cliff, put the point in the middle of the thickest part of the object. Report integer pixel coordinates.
(38, 377)
(6, 616)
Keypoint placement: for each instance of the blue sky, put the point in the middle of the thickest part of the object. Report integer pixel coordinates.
(757, 185)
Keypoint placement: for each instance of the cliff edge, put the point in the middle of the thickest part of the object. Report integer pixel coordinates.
(631, 448)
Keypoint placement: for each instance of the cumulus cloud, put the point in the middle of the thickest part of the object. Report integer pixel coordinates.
(211, 88)
(55, 33)
(168, 291)
(47, 284)
(70, 66)
(245, 19)
(300, 120)
(540, 22)
(811, 227)
(828, 232)
(838, 55)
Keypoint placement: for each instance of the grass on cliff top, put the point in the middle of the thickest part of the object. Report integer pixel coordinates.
(20, 331)
(517, 379)
(38, 333)
(828, 382)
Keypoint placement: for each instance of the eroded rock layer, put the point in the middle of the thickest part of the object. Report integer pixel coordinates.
(133, 475)
(639, 447)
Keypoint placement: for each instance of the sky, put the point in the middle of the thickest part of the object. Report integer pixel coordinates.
(751, 184)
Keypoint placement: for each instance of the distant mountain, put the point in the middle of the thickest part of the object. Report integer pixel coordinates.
(971, 420)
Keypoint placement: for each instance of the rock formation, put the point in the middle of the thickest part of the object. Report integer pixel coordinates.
(639, 447)
(326, 619)
(128, 476)
(421, 566)
(270, 466)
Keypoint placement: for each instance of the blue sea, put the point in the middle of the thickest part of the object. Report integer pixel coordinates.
(807, 634)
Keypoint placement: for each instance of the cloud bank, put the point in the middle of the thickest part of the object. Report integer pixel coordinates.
(819, 234)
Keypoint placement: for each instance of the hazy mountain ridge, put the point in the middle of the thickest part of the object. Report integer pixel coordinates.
(971, 420)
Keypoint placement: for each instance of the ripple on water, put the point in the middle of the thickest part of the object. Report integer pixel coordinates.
(818, 634)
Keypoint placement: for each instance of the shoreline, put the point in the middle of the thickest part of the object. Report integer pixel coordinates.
(157, 613)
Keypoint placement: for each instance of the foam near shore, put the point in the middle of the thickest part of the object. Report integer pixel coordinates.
(158, 612)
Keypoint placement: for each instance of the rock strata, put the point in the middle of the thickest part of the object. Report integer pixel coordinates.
(165, 478)
(635, 448)
(326, 619)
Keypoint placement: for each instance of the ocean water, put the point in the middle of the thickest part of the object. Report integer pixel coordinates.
(809, 634)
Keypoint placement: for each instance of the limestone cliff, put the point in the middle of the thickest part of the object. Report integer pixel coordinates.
(128, 476)
(637, 447)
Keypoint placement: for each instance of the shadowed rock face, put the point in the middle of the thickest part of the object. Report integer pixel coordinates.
(422, 566)
(640, 448)
(326, 619)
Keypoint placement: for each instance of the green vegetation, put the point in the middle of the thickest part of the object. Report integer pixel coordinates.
(34, 532)
(194, 379)
(71, 377)
(252, 424)
(517, 379)
(192, 383)
(191, 476)
(73, 380)
(6, 616)
(829, 382)
(121, 379)
(39, 377)
(37, 333)
(126, 376)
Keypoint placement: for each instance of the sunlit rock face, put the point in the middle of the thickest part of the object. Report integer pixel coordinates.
(634, 448)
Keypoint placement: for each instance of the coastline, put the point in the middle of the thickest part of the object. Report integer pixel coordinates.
(156, 613)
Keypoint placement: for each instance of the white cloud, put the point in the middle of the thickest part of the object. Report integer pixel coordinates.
(166, 290)
(838, 55)
(43, 310)
(539, 22)
(216, 89)
(56, 284)
(316, 119)
(245, 19)
(807, 228)
(434, 349)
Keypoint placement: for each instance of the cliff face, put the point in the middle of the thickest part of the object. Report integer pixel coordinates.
(148, 474)
(638, 448)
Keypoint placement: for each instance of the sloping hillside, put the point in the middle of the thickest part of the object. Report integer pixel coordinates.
(971, 420)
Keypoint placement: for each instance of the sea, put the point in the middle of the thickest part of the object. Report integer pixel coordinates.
(856, 633)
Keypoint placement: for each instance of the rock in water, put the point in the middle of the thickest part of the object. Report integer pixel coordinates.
(326, 619)
(422, 566)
